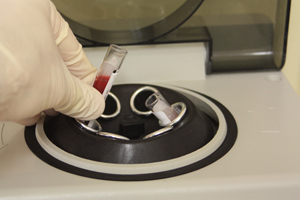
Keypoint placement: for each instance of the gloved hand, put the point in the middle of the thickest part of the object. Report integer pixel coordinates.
(42, 66)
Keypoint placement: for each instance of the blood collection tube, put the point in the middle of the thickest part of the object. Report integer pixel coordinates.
(109, 69)
(107, 73)
(161, 108)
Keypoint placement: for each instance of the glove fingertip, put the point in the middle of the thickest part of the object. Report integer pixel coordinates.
(96, 105)
(80, 101)
(93, 106)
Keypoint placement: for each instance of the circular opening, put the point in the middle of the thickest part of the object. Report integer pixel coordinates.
(118, 49)
(46, 138)
(139, 101)
(91, 126)
(193, 131)
(152, 100)
(110, 105)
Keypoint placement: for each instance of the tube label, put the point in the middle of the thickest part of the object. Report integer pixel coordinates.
(162, 117)
(109, 85)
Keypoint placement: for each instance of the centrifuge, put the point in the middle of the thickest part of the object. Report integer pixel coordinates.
(200, 108)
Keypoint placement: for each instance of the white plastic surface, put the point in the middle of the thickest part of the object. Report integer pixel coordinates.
(263, 163)
(152, 63)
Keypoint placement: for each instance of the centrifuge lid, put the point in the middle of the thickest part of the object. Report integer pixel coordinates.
(239, 37)
(125, 22)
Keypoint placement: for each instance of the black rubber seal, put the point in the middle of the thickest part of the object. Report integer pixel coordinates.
(193, 132)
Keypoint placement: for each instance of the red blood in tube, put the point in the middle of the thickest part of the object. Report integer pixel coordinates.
(100, 83)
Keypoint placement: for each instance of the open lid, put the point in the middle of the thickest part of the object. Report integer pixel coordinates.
(125, 21)
(240, 35)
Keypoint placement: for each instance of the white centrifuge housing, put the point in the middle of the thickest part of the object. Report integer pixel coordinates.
(219, 63)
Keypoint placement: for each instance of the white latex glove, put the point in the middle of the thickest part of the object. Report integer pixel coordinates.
(42, 66)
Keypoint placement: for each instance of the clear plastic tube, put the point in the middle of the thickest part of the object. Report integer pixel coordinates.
(107, 73)
(109, 69)
(161, 108)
